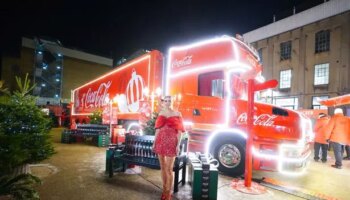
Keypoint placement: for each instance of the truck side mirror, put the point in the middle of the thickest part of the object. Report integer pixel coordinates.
(217, 88)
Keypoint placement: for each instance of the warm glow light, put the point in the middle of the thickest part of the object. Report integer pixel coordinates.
(158, 91)
(115, 99)
(179, 97)
(146, 91)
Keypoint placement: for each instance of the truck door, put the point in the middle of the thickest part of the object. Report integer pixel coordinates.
(210, 103)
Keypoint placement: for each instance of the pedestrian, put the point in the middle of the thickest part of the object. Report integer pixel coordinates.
(169, 129)
(347, 150)
(347, 147)
(321, 137)
(338, 128)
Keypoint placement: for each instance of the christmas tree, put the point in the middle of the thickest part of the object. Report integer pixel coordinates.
(149, 128)
(24, 130)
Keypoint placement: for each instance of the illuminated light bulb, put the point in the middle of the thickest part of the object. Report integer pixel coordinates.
(158, 91)
(179, 97)
(115, 99)
(146, 91)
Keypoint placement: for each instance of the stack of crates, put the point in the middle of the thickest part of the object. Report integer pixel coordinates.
(102, 140)
(66, 136)
(203, 178)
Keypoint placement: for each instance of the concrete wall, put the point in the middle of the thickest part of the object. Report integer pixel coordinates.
(77, 72)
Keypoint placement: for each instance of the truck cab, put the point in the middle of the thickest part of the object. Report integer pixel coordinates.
(208, 80)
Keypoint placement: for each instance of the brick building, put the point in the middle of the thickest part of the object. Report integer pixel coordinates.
(308, 53)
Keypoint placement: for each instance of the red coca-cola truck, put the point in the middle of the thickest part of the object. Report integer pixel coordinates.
(207, 80)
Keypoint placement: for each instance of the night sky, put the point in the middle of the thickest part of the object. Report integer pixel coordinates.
(119, 28)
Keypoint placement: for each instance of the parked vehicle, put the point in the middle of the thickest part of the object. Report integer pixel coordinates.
(208, 82)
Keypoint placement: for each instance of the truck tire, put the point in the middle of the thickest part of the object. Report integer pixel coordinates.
(230, 154)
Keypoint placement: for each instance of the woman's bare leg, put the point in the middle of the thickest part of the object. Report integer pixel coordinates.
(162, 164)
(169, 162)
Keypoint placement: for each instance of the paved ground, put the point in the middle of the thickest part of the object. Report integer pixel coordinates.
(77, 172)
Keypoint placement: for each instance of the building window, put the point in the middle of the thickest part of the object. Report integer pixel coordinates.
(285, 48)
(290, 102)
(260, 55)
(285, 79)
(322, 40)
(321, 74)
(316, 102)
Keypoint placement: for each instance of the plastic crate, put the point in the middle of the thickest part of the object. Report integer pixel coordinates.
(204, 182)
(102, 140)
(66, 137)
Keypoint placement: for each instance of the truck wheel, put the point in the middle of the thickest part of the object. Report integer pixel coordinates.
(231, 156)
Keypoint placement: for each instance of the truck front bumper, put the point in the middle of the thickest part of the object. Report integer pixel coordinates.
(289, 159)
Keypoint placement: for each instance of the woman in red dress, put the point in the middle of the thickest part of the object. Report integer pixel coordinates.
(169, 129)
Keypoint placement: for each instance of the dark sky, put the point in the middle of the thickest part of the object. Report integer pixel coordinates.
(119, 28)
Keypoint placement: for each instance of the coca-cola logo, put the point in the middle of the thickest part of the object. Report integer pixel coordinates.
(187, 60)
(261, 120)
(95, 99)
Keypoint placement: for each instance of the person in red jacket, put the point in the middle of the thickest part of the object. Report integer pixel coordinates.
(321, 137)
(347, 147)
(338, 127)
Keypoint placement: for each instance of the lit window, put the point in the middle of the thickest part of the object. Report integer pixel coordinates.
(285, 48)
(290, 103)
(285, 79)
(322, 41)
(321, 74)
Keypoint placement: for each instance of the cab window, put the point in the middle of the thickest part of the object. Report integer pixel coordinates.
(211, 84)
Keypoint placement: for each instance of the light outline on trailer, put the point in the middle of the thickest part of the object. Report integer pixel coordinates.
(148, 56)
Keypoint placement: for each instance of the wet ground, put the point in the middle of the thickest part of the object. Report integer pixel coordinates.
(77, 171)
